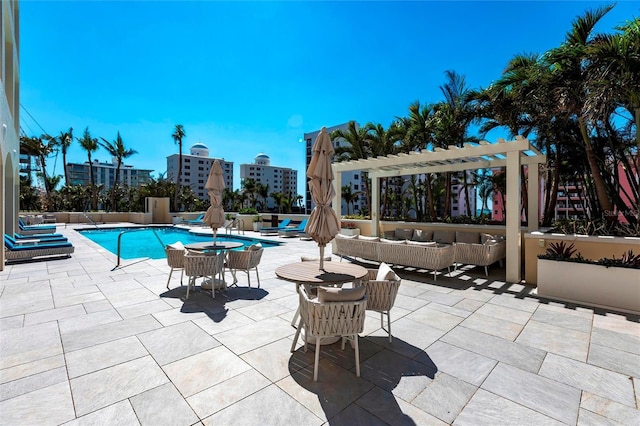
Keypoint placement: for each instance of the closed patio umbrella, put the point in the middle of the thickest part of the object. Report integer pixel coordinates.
(323, 222)
(214, 217)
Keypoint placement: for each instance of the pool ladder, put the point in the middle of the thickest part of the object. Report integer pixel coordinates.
(134, 230)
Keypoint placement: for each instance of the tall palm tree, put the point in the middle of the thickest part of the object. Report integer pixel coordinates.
(250, 187)
(118, 151)
(63, 141)
(178, 135)
(358, 148)
(90, 145)
(263, 193)
(349, 196)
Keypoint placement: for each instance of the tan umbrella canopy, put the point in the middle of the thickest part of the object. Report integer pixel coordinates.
(323, 222)
(214, 217)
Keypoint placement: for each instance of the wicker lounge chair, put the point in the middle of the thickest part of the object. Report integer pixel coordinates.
(381, 295)
(245, 261)
(32, 251)
(322, 319)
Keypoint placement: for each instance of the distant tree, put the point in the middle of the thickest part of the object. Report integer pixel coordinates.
(250, 186)
(119, 152)
(63, 141)
(177, 136)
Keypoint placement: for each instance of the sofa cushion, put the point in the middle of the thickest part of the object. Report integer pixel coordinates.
(365, 238)
(467, 237)
(384, 240)
(422, 235)
(422, 243)
(332, 294)
(444, 237)
(347, 237)
(484, 237)
(176, 246)
(403, 233)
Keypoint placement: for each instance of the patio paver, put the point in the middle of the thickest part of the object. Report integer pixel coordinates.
(84, 343)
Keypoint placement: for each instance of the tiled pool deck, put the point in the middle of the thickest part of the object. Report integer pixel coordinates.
(82, 344)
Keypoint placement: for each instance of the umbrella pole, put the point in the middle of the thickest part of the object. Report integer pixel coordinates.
(322, 256)
(215, 232)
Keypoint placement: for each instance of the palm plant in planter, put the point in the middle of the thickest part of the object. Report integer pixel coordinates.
(612, 283)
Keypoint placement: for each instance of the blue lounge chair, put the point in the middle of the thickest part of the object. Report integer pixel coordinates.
(35, 229)
(293, 231)
(39, 236)
(274, 229)
(197, 221)
(32, 251)
(35, 240)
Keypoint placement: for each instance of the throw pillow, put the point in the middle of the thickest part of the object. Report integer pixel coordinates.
(256, 246)
(385, 273)
(485, 237)
(422, 235)
(332, 294)
(403, 234)
(467, 237)
(364, 238)
(444, 237)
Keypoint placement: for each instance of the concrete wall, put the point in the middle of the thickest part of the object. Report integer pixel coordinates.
(590, 247)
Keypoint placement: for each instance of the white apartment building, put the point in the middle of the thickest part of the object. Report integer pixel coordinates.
(278, 179)
(355, 178)
(195, 169)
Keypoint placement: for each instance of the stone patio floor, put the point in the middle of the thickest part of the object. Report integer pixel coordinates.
(82, 344)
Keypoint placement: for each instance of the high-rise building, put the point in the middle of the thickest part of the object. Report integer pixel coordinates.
(195, 169)
(278, 179)
(355, 179)
(105, 174)
(9, 118)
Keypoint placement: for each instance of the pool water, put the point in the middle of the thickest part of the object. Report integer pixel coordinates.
(150, 242)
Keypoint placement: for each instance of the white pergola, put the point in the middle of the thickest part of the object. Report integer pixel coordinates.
(511, 155)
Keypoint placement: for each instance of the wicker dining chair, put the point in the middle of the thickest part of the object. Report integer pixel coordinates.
(245, 261)
(322, 319)
(381, 295)
(197, 265)
(175, 259)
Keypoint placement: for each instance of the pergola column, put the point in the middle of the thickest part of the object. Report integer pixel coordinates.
(375, 204)
(532, 195)
(513, 273)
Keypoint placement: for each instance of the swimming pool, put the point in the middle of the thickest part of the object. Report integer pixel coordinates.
(150, 241)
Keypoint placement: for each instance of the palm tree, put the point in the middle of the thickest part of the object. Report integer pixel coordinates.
(263, 192)
(349, 196)
(358, 148)
(36, 147)
(177, 136)
(90, 145)
(63, 141)
(250, 187)
(118, 151)
(568, 62)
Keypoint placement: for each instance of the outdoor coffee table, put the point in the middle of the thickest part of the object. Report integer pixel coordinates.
(309, 275)
(209, 247)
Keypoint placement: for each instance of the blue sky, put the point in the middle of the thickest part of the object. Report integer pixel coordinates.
(251, 77)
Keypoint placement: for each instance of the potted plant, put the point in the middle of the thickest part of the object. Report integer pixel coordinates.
(612, 283)
(257, 220)
(349, 228)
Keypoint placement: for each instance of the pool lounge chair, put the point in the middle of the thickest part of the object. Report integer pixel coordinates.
(197, 221)
(274, 229)
(14, 252)
(293, 231)
(34, 240)
(23, 225)
(39, 236)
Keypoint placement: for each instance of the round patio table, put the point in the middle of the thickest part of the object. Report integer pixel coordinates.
(309, 275)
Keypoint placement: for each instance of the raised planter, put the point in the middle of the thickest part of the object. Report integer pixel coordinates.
(595, 285)
(350, 231)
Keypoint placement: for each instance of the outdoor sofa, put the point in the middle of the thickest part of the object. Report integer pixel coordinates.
(433, 250)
